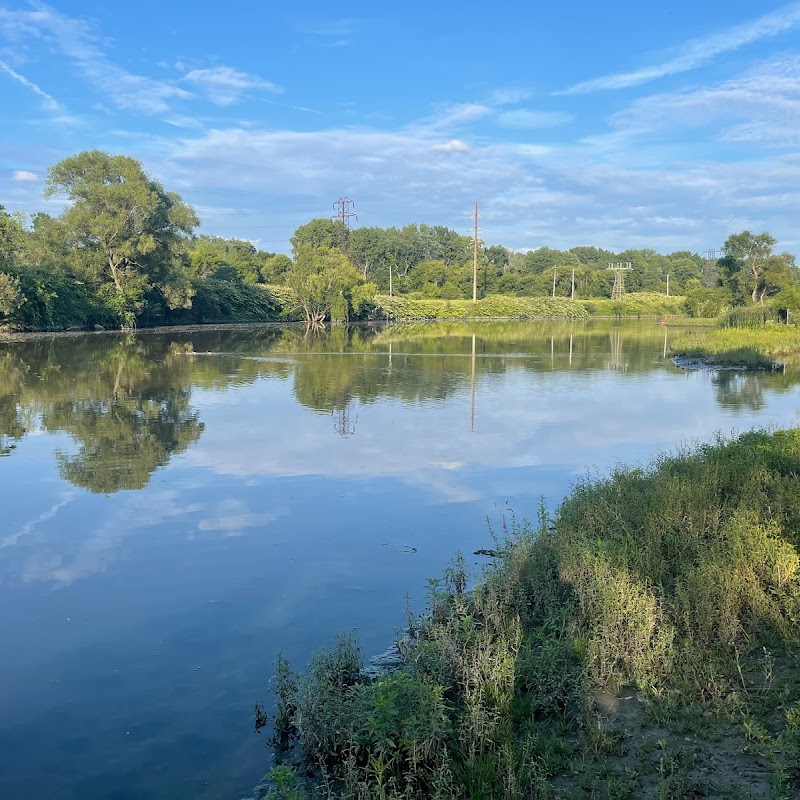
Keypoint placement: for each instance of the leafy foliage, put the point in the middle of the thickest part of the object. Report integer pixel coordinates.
(324, 282)
(128, 231)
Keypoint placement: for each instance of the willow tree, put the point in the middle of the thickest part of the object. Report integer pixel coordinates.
(326, 284)
(131, 233)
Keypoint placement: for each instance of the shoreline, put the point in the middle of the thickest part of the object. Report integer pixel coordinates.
(11, 336)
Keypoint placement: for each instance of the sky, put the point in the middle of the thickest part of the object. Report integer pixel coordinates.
(622, 124)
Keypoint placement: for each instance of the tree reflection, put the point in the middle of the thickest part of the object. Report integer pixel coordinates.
(739, 390)
(121, 442)
(126, 402)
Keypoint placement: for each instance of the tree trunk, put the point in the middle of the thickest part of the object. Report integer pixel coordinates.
(114, 273)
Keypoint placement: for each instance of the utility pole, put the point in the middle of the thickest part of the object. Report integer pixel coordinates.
(390, 280)
(572, 296)
(343, 216)
(668, 284)
(475, 258)
(554, 281)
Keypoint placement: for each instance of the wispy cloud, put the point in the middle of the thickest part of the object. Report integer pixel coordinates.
(24, 176)
(50, 103)
(78, 42)
(527, 118)
(697, 52)
(760, 107)
(334, 28)
(225, 85)
(460, 114)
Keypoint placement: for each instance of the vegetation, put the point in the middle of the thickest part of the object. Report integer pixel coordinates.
(124, 253)
(399, 307)
(642, 642)
(739, 346)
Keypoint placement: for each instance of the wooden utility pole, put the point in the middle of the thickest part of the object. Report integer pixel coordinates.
(554, 281)
(668, 284)
(390, 280)
(572, 296)
(475, 258)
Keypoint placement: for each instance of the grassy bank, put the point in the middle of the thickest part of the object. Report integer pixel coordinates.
(641, 643)
(500, 306)
(740, 347)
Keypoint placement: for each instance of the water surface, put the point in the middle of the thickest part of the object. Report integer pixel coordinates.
(177, 507)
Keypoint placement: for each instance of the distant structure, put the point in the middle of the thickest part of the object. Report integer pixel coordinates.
(619, 269)
(710, 270)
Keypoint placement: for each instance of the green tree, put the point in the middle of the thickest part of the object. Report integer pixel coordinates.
(323, 280)
(133, 232)
(12, 238)
(213, 256)
(751, 269)
(11, 296)
(275, 268)
(317, 233)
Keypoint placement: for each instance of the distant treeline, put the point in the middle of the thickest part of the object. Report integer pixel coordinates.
(124, 253)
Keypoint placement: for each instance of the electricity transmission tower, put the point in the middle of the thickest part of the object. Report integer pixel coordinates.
(710, 271)
(343, 216)
(619, 269)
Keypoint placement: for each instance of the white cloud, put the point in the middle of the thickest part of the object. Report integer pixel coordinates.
(225, 85)
(561, 195)
(453, 146)
(697, 52)
(24, 176)
(527, 118)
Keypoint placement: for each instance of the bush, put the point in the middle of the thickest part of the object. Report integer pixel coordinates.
(702, 302)
(217, 300)
(55, 301)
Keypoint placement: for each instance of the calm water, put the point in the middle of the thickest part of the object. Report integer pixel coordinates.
(178, 507)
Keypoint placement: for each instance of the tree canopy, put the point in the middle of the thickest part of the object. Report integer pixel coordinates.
(132, 231)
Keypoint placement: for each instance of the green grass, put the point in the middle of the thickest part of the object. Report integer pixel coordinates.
(673, 590)
(745, 347)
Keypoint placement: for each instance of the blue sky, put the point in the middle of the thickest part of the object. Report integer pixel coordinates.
(620, 124)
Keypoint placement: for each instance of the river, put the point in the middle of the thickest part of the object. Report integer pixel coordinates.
(178, 507)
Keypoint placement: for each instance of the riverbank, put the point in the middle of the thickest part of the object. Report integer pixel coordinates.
(223, 302)
(738, 347)
(642, 642)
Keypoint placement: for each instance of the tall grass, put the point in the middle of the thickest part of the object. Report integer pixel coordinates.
(668, 578)
(740, 347)
(749, 317)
